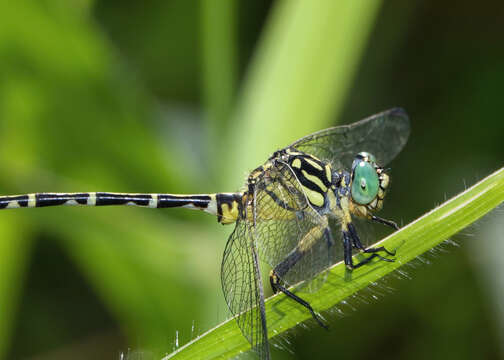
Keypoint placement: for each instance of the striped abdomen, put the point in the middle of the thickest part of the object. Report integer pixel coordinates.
(224, 205)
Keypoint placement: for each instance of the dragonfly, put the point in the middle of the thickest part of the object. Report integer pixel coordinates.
(290, 214)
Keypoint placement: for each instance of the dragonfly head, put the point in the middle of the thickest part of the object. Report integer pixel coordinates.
(369, 182)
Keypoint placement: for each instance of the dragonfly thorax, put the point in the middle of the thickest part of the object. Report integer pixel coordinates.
(314, 175)
(364, 185)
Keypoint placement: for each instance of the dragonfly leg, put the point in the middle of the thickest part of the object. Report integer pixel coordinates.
(349, 240)
(328, 237)
(330, 243)
(347, 245)
(291, 260)
(347, 250)
(384, 222)
(277, 286)
(357, 243)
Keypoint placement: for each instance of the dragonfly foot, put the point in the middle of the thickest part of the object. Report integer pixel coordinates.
(277, 286)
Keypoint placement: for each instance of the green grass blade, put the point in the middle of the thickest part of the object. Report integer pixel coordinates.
(219, 68)
(298, 79)
(421, 235)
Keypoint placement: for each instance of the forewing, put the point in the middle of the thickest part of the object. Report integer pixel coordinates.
(242, 287)
(383, 135)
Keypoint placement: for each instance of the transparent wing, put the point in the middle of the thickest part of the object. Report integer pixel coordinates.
(285, 220)
(242, 287)
(274, 224)
(324, 253)
(383, 135)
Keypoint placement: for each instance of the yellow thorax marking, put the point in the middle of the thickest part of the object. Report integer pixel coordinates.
(345, 207)
(313, 163)
(296, 163)
(343, 182)
(314, 197)
(328, 173)
(333, 204)
(316, 180)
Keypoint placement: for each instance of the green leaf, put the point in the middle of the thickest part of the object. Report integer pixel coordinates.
(219, 65)
(416, 238)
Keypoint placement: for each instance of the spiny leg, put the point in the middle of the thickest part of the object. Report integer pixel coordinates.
(276, 286)
(358, 244)
(349, 240)
(380, 220)
(347, 250)
(347, 246)
(291, 259)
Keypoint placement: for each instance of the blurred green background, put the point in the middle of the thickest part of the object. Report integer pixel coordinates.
(183, 97)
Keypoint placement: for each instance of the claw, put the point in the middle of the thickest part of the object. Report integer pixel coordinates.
(384, 259)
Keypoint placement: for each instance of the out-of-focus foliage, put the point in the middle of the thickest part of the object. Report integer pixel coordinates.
(133, 96)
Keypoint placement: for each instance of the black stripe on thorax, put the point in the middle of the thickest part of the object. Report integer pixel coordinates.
(311, 170)
(321, 174)
(169, 201)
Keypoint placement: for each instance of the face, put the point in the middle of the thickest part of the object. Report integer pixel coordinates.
(369, 182)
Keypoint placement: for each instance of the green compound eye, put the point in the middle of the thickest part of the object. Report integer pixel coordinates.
(365, 182)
